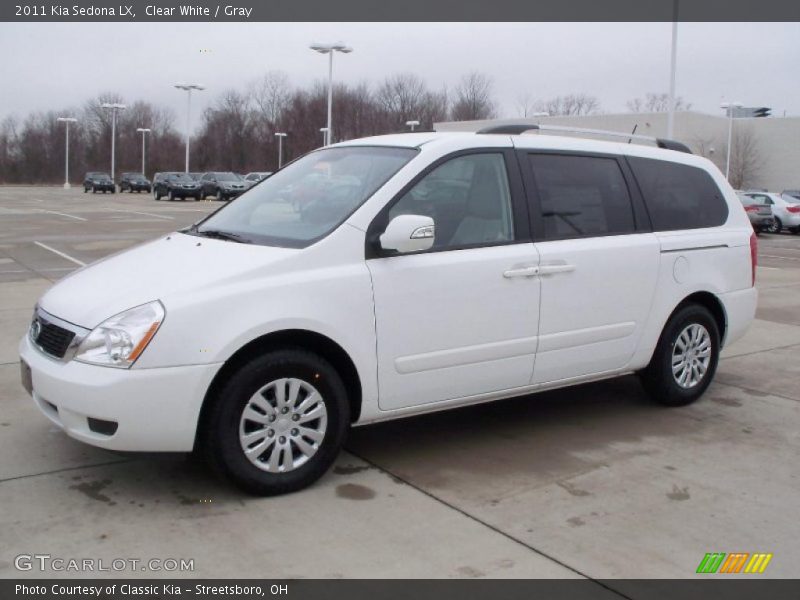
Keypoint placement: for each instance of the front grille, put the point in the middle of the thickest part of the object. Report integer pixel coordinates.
(54, 339)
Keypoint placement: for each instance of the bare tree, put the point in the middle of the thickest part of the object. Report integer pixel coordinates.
(271, 94)
(525, 104)
(653, 102)
(570, 105)
(473, 98)
(747, 161)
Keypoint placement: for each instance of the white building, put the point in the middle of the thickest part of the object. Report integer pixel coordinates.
(766, 151)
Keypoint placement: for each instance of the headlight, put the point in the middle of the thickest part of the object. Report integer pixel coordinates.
(120, 340)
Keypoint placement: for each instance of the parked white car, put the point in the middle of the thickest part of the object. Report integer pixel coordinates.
(420, 272)
(785, 210)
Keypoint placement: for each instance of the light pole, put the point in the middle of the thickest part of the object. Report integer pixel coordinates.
(329, 49)
(66, 121)
(324, 132)
(144, 132)
(672, 68)
(280, 137)
(114, 108)
(188, 87)
(412, 124)
(730, 107)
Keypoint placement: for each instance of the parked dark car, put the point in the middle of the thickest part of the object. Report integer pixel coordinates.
(134, 182)
(223, 185)
(98, 181)
(175, 185)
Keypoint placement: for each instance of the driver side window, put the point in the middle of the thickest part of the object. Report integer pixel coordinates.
(467, 197)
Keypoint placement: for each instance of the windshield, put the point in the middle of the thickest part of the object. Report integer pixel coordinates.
(180, 177)
(309, 198)
(792, 197)
(101, 176)
(228, 177)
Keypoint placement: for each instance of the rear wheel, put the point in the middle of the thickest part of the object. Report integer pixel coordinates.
(775, 226)
(278, 423)
(685, 358)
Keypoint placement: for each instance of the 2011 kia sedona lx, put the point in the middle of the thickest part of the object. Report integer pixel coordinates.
(391, 276)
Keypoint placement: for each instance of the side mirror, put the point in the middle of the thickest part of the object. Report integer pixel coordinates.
(408, 233)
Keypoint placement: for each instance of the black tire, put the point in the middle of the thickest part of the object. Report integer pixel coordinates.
(658, 379)
(94, 190)
(197, 198)
(171, 196)
(156, 195)
(85, 189)
(777, 226)
(219, 434)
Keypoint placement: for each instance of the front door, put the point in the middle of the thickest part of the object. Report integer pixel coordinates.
(461, 319)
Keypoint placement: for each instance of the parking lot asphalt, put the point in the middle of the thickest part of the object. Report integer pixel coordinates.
(592, 481)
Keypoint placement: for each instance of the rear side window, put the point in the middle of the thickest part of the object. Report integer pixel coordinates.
(581, 196)
(679, 196)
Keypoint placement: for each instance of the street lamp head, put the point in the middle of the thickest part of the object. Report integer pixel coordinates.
(113, 106)
(190, 86)
(280, 134)
(541, 114)
(327, 48)
(731, 105)
(412, 123)
(143, 130)
(323, 129)
(67, 120)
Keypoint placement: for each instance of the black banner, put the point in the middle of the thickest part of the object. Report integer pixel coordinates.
(583, 589)
(407, 10)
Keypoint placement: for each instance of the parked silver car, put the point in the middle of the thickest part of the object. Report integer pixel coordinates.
(758, 211)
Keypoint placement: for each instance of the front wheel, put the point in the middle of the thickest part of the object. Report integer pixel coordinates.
(171, 196)
(278, 423)
(685, 358)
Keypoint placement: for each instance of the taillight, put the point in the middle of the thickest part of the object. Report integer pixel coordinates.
(793, 209)
(751, 208)
(753, 255)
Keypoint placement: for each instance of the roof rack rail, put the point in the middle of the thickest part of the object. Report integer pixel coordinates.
(518, 128)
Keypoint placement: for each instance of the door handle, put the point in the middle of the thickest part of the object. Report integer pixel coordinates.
(521, 272)
(553, 269)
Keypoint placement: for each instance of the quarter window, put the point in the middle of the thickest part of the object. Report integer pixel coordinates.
(468, 199)
(581, 196)
(679, 196)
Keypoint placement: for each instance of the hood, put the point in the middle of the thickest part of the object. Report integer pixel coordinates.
(173, 265)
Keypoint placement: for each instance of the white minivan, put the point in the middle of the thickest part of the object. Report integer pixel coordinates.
(392, 276)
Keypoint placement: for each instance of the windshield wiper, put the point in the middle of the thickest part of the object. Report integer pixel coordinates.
(222, 235)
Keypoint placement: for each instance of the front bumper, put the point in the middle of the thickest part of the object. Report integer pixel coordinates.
(185, 193)
(155, 410)
(139, 187)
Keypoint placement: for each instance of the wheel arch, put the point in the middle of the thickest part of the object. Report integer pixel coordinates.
(291, 338)
(713, 304)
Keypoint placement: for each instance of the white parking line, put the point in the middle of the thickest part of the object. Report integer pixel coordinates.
(61, 254)
(133, 212)
(781, 257)
(52, 212)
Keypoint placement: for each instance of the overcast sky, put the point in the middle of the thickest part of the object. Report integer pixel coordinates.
(54, 65)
